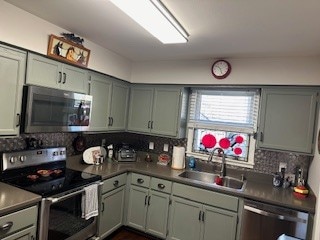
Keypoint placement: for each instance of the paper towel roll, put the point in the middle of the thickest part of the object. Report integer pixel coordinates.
(178, 157)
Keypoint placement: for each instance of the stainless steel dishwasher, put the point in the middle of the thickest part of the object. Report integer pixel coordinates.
(262, 221)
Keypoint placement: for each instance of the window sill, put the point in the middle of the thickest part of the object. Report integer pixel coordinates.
(218, 160)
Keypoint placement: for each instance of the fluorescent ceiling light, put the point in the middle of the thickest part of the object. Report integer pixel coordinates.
(153, 16)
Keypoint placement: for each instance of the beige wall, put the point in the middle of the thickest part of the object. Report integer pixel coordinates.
(269, 71)
(22, 29)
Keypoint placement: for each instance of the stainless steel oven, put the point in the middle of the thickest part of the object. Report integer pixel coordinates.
(64, 192)
(61, 218)
(262, 221)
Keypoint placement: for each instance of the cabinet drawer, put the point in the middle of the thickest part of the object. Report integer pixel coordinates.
(18, 220)
(140, 180)
(205, 196)
(161, 185)
(114, 182)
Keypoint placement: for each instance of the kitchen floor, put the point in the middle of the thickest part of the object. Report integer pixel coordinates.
(129, 234)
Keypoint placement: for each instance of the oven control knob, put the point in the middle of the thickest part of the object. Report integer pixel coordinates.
(13, 160)
(53, 187)
(22, 158)
(60, 185)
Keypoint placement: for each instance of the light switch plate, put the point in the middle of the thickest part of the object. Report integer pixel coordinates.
(282, 165)
(165, 147)
(151, 145)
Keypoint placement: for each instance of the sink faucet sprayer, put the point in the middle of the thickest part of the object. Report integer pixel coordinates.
(223, 160)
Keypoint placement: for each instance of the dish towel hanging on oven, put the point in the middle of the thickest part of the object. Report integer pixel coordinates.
(89, 201)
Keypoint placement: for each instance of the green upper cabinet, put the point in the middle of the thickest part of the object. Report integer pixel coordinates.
(158, 110)
(46, 72)
(140, 109)
(110, 103)
(119, 105)
(287, 119)
(12, 72)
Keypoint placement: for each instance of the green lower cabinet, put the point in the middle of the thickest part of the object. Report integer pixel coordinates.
(185, 219)
(111, 216)
(192, 221)
(137, 208)
(157, 214)
(219, 224)
(26, 234)
(148, 211)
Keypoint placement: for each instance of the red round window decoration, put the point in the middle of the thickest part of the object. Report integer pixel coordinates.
(209, 141)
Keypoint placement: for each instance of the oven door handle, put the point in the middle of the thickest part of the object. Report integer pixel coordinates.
(274, 215)
(58, 199)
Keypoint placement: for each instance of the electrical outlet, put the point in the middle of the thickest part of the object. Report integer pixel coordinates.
(282, 165)
(103, 142)
(165, 147)
(151, 145)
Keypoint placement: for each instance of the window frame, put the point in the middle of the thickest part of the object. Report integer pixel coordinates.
(192, 125)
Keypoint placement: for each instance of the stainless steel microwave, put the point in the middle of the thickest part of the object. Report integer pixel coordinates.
(54, 110)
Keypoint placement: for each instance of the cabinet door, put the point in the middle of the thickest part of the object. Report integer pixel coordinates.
(26, 234)
(287, 119)
(185, 220)
(119, 106)
(140, 109)
(219, 223)
(42, 71)
(111, 211)
(100, 89)
(137, 207)
(157, 216)
(74, 79)
(166, 111)
(12, 72)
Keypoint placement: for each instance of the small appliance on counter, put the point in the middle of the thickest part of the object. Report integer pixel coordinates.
(94, 155)
(126, 154)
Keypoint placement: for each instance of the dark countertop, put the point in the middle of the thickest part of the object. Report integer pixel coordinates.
(256, 189)
(13, 199)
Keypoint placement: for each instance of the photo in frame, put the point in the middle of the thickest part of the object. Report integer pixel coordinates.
(68, 51)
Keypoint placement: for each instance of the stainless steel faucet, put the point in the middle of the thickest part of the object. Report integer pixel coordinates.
(223, 160)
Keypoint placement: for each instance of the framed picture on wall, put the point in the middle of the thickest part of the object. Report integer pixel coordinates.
(67, 51)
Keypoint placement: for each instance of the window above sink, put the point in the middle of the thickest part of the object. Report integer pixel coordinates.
(229, 117)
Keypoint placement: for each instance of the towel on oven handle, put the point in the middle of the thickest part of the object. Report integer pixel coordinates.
(89, 202)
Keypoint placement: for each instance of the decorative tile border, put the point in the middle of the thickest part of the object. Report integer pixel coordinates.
(265, 161)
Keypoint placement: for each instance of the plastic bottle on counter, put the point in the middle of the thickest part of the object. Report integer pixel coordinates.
(110, 151)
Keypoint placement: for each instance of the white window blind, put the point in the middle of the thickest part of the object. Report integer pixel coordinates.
(224, 109)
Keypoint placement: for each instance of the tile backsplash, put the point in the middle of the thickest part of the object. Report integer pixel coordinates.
(265, 161)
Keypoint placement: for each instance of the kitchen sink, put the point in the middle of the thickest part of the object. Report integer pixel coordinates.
(227, 182)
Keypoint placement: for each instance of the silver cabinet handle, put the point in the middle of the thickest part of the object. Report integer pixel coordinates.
(116, 183)
(145, 200)
(200, 212)
(161, 186)
(64, 78)
(60, 77)
(151, 126)
(140, 180)
(18, 120)
(6, 226)
(102, 210)
(261, 136)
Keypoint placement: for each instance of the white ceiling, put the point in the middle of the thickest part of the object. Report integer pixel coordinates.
(217, 28)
